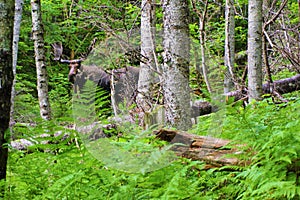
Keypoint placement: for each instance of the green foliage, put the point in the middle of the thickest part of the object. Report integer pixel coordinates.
(91, 104)
(59, 94)
(285, 73)
(274, 172)
(65, 169)
(26, 98)
(293, 8)
(59, 167)
(241, 29)
(103, 104)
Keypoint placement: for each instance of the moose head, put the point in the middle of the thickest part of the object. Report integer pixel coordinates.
(78, 73)
(74, 66)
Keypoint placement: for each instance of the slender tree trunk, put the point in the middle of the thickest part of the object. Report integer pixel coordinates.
(176, 64)
(16, 36)
(299, 10)
(147, 66)
(39, 49)
(255, 49)
(203, 57)
(229, 46)
(202, 20)
(6, 78)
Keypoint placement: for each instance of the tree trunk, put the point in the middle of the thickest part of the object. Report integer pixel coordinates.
(202, 21)
(6, 78)
(176, 64)
(299, 10)
(255, 49)
(229, 46)
(147, 66)
(203, 56)
(39, 49)
(16, 36)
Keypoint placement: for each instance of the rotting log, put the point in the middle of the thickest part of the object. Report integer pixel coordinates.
(213, 151)
(281, 86)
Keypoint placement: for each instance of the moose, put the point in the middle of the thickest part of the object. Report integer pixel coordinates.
(121, 83)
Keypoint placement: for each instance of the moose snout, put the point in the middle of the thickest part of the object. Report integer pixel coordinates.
(71, 75)
(71, 78)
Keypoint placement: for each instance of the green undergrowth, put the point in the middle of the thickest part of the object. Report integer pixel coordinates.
(267, 134)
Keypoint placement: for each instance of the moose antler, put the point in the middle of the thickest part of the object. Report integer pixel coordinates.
(57, 50)
(72, 61)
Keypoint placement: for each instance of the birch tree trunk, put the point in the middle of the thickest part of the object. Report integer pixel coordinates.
(6, 78)
(229, 46)
(255, 49)
(176, 64)
(42, 77)
(15, 47)
(147, 66)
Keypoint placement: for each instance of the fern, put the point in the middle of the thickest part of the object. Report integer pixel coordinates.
(64, 170)
(61, 185)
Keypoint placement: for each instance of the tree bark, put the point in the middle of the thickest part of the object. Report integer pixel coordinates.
(40, 60)
(255, 49)
(6, 78)
(147, 66)
(229, 46)
(176, 64)
(16, 36)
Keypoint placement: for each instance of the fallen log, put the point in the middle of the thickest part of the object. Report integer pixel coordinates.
(213, 151)
(281, 86)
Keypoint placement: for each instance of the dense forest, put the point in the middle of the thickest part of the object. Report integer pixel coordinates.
(148, 99)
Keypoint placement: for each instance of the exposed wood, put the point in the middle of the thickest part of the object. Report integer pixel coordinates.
(204, 148)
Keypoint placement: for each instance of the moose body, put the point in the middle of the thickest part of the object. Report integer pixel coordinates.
(122, 83)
